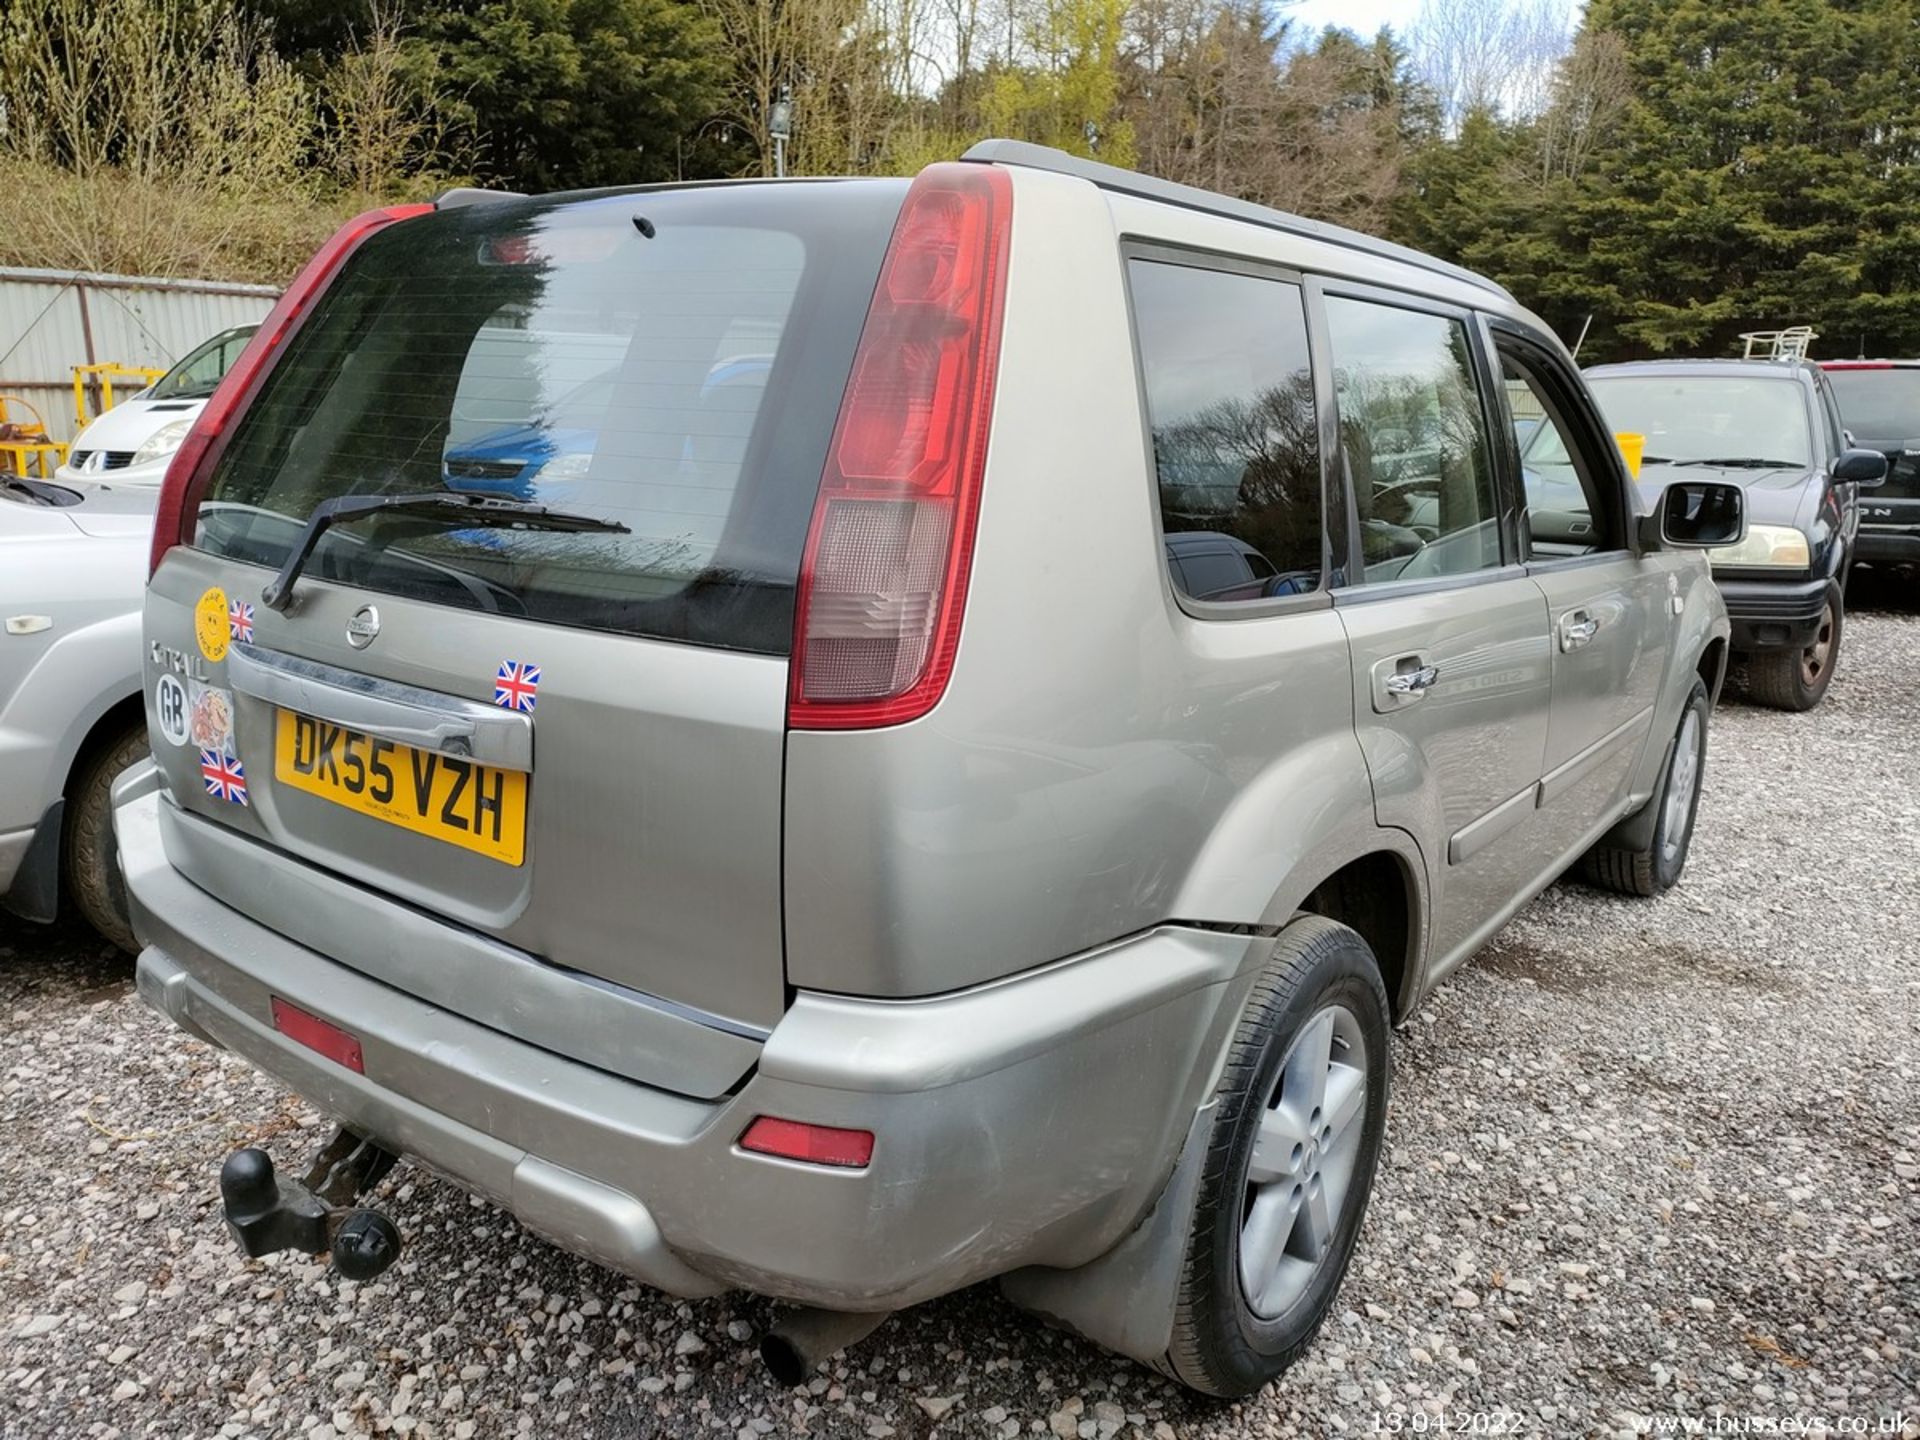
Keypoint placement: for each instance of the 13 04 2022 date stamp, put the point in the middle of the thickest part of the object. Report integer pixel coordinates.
(1448, 1422)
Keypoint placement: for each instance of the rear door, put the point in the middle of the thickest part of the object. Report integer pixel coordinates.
(570, 741)
(1879, 405)
(1451, 666)
(1606, 605)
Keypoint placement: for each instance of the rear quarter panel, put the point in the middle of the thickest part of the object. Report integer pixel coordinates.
(1102, 761)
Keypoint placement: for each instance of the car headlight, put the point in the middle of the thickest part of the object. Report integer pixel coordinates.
(163, 441)
(570, 466)
(1780, 545)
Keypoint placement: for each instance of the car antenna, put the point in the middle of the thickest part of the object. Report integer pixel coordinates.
(1585, 326)
(644, 226)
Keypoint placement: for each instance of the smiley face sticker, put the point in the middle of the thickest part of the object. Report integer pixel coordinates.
(210, 625)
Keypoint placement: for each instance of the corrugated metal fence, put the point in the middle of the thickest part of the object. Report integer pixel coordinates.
(51, 320)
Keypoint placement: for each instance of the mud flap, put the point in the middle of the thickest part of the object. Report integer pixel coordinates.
(1636, 831)
(1124, 1301)
(35, 892)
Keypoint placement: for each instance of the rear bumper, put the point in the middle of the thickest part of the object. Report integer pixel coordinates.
(1031, 1121)
(1773, 614)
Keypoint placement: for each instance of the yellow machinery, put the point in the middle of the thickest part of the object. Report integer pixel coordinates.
(104, 375)
(26, 449)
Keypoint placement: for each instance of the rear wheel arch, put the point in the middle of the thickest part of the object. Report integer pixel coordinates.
(1378, 896)
(118, 717)
(89, 868)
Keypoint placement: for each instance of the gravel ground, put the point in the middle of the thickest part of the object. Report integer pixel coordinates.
(1645, 1161)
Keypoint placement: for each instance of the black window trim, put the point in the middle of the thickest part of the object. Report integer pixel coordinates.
(1587, 424)
(1360, 592)
(1161, 252)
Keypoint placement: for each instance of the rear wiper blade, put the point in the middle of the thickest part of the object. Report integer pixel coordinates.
(1741, 462)
(447, 504)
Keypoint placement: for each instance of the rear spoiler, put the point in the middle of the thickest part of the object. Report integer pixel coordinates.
(462, 196)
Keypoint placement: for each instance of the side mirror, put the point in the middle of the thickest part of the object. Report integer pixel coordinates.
(1696, 515)
(1861, 467)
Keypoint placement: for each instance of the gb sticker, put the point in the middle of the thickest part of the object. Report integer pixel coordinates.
(170, 709)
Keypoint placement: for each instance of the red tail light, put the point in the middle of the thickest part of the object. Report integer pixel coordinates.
(193, 462)
(884, 580)
(815, 1144)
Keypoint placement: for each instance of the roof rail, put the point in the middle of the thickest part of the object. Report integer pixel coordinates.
(1789, 344)
(462, 196)
(1189, 197)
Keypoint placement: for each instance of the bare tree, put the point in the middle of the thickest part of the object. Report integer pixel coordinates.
(385, 127)
(1493, 55)
(123, 123)
(1591, 92)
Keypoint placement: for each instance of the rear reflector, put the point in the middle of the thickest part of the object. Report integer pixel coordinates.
(192, 463)
(317, 1035)
(815, 1144)
(884, 580)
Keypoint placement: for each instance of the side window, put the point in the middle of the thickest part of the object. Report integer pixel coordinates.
(1559, 477)
(1830, 418)
(1414, 433)
(1236, 450)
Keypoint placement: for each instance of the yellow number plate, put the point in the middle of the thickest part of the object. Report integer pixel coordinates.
(474, 806)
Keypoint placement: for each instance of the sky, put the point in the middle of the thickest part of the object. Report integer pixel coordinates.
(1364, 16)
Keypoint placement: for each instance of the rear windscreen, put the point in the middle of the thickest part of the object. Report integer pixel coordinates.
(672, 362)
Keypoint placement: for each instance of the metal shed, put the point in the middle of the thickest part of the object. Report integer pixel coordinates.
(52, 320)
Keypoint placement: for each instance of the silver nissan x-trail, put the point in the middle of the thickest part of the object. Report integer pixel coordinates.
(847, 738)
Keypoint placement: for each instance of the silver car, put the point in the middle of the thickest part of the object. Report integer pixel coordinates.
(72, 569)
(791, 829)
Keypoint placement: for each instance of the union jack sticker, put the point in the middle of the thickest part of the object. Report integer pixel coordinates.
(225, 777)
(516, 685)
(240, 621)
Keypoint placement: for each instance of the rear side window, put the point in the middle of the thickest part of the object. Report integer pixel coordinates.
(1229, 390)
(670, 361)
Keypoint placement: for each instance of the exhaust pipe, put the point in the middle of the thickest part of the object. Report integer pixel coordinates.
(801, 1339)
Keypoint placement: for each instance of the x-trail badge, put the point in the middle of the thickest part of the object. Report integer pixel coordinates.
(363, 627)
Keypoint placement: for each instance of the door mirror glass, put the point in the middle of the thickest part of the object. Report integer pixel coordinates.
(1861, 467)
(1700, 515)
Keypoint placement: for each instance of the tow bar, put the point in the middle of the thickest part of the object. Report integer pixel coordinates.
(317, 1214)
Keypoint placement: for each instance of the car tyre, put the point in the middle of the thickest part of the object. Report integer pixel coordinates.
(1286, 1180)
(1798, 679)
(1655, 868)
(89, 865)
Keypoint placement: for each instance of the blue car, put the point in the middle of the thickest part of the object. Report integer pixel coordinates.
(539, 459)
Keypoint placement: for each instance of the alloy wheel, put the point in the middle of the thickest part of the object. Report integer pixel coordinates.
(1304, 1155)
(1681, 787)
(1815, 659)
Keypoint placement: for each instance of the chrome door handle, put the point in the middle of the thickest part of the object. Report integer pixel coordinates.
(1577, 627)
(1412, 683)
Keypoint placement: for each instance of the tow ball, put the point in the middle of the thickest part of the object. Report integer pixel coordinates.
(317, 1214)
